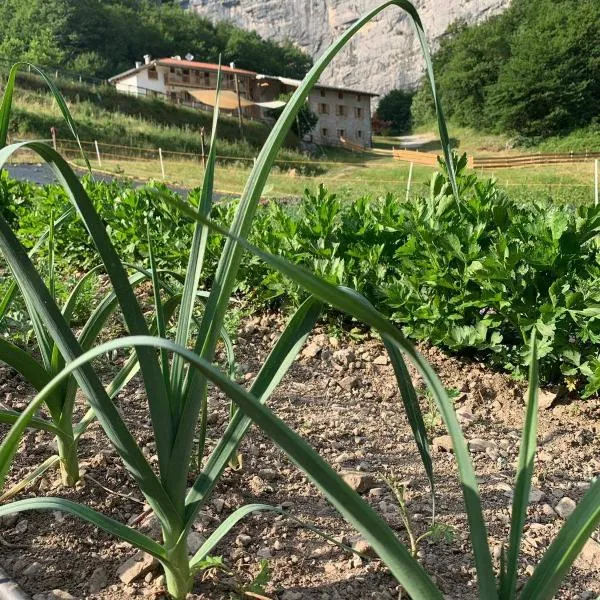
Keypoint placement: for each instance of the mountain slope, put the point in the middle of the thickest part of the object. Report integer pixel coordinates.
(384, 56)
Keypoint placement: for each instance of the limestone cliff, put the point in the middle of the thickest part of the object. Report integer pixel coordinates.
(385, 55)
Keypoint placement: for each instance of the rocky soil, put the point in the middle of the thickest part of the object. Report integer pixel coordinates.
(342, 397)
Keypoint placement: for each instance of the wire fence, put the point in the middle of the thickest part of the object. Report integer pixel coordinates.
(186, 169)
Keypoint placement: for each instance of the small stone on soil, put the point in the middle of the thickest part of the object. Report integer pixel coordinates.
(33, 569)
(311, 350)
(98, 580)
(349, 383)
(194, 542)
(565, 507)
(359, 482)
(243, 540)
(136, 567)
(442, 443)
(479, 445)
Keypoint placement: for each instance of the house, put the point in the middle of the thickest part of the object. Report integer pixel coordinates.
(177, 79)
(344, 114)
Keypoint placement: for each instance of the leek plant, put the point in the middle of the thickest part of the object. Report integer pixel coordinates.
(176, 374)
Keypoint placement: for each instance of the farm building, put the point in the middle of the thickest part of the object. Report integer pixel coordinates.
(344, 114)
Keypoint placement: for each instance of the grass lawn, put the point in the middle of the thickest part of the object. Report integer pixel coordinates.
(374, 175)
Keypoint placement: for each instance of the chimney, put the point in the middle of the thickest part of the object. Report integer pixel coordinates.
(189, 56)
(138, 64)
(147, 59)
(232, 65)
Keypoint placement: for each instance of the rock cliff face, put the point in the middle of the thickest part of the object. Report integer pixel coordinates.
(385, 55)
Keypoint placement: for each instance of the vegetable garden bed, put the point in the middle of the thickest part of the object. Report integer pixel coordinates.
(361, 427)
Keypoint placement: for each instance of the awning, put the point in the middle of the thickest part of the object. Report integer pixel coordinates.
(228, 100)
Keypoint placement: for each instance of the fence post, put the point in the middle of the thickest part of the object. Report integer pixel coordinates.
(53, 134)
(409, 181)
(98, 153)
(596, 182)
(162, 165)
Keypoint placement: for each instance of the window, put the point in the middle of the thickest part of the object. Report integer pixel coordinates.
(152, 73)
(341, 133)
(358, 97)
(323, 109)
(359, 134)
(358, 112)
(340, 110)
(324, 132)
(322, 93)
(340, 95)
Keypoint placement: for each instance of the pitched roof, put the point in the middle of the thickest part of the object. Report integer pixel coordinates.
(186, 64)
(192, 64)
(297, 83)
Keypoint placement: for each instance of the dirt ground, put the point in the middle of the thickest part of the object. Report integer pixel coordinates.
(343, 399)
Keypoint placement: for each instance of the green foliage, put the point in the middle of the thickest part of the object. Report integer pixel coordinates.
(176, 378)
(478, 280)
(395, 108)
(305, 121)
(534, 70)
(81, 36)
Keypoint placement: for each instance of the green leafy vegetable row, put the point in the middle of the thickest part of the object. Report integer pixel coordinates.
(477, 280)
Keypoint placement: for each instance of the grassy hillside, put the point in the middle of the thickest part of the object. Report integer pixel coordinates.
(111, 118)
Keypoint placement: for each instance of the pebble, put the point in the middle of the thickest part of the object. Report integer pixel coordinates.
(364, 547)
(536, 495)
(343, 457)
(219, 504)
(465, 416)
(136, 567)
(442, 443)
(264, 552)
(565, 507)
(21, 527)
(349, 382)
(360, 482)
(546, 399)
(33, 569)
(243, 540)
(480, 445)
(97, 580)
(381, 360)
(311, 350)
(194, 542)
(59, 595)
(268, 474)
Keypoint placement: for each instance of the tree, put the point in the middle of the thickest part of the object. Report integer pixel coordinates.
(394, 108)
(104, 37)
(533, 70)
(304, 123)
(551, 82)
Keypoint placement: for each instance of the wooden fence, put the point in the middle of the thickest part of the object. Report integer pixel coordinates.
(429, 159)
(352, 146)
